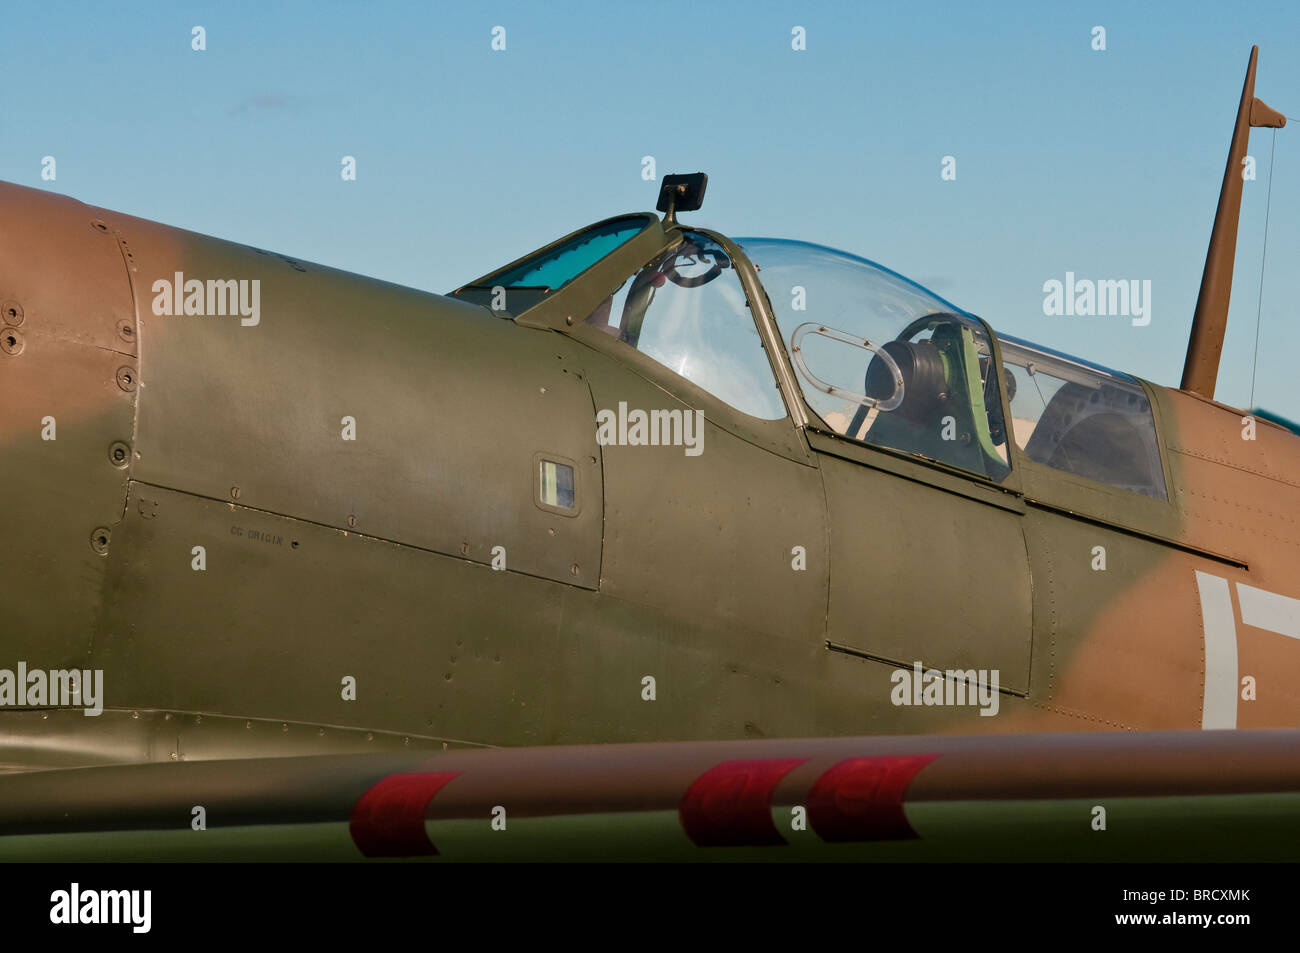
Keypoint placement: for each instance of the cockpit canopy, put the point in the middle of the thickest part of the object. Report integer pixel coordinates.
(878, 358)
(1082, 418)
(883, 360)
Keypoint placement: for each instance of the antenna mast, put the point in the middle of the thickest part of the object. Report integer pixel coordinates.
(1210, 322)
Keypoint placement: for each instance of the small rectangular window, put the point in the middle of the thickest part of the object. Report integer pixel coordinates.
(556, 489)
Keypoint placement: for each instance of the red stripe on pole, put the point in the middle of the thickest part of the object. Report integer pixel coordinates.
(388, 820)
(730, 804)
(862, 798)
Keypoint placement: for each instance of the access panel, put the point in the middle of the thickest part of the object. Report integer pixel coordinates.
(922, 574)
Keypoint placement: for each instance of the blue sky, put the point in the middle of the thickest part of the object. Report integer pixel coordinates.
(1107, 164)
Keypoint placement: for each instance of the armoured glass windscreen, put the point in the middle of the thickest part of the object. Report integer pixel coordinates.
(1082, 419)
(882, 360)
(555, 268)
(688, 311)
